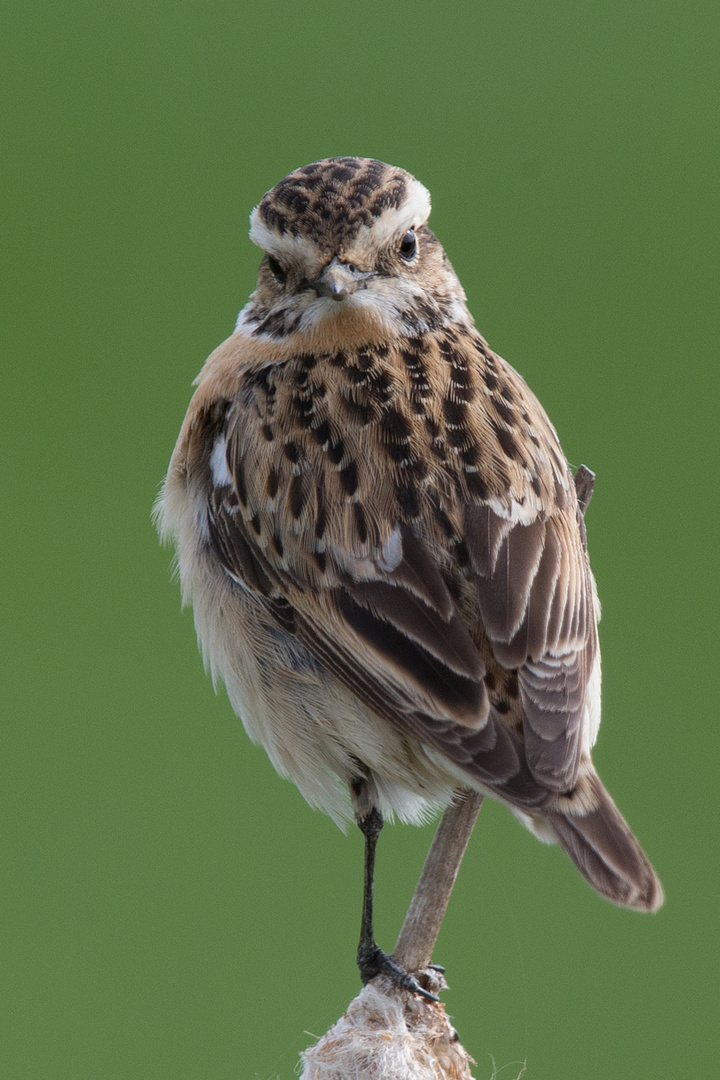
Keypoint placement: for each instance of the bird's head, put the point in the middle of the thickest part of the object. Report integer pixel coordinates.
(347, 238)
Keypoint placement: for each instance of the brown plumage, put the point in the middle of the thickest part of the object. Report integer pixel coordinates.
(381, 536)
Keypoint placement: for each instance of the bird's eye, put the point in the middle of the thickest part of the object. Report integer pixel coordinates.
(408, 245)
(276, 270)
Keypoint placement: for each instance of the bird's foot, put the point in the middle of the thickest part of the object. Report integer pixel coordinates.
(373, 961)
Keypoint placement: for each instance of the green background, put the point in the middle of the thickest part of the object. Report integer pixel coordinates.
(169, 907)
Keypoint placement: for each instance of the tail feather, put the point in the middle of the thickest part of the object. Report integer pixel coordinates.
(606, 853)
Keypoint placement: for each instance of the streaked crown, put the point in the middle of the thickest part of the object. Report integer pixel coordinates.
(331, 202)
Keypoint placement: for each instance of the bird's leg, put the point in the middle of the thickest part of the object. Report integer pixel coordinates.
(370, 827)
(371, 959)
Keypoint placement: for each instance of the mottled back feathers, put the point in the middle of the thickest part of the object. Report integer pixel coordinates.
(391, 516)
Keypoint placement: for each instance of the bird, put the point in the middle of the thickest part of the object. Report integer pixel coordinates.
(382, 542)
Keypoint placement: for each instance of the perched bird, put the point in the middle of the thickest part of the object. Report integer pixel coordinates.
(382, 542)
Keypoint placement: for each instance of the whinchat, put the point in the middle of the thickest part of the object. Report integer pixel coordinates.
(381, 537)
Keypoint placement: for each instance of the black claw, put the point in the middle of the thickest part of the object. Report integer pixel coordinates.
(373, 961)
(437, 967)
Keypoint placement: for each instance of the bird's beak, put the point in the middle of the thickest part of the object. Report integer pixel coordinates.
(338, 280)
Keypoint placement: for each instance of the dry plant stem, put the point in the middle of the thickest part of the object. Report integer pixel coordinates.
(416, 942)
(584, 484)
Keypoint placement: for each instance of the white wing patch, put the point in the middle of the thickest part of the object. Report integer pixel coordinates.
(218, 463)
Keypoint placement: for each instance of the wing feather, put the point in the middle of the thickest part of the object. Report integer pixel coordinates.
(536, 601)
(359, 574)
(395, 636)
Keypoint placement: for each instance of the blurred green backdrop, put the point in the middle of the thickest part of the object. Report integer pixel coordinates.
(170, 908)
